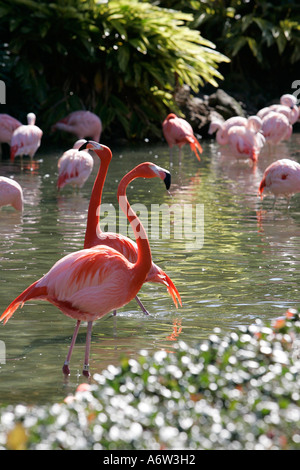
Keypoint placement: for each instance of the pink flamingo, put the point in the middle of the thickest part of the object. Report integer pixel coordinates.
(178, 131)
(276, 128)
(83, 124)
(282, 178)
(11, 193)
(26, 139)
(74, 166)
(287, 107)
(90, 283)
(94, 235)
(8, 125)
(242, 135)
(217, 124)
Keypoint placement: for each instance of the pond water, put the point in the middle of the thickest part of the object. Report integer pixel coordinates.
(239, 262)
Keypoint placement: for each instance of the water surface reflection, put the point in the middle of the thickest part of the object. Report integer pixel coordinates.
(247, 267)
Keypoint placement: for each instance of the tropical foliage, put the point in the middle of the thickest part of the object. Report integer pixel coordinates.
(261, 38)
(121, 59)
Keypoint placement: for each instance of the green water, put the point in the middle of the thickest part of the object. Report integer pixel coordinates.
(246, 267)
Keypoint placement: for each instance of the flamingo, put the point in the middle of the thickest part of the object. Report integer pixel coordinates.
(82, 124)
(242, 135)
(74, 166)
(11, 193)
(26, 139)
(88, 284)
(276, 127)
(126, 246)
(287, 107)
(8, 125)
(217, 124)
(282, 178)
(178, 131)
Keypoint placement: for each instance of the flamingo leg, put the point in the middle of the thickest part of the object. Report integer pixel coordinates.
(171, 156)
(65, 368)
(86, 365)
(180, 155)
(142, 306)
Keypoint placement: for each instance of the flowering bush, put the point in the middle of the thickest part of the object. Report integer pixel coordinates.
(234, 391)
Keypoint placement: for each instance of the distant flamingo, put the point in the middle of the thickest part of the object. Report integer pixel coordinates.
(74, 166)
(126, 246)
(242, 135)
(26, 139)
(11, 193)
(282, 178)
(217, 124)
(82, 124)
(88, 284)
(178, 131)
(276, 128)
(287, 107)
(8, 125)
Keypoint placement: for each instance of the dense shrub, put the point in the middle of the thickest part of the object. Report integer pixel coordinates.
(121, 59)
(261, 38)
(234, 391)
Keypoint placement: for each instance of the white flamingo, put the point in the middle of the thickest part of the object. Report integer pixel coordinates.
(11, 193)
(74, 166)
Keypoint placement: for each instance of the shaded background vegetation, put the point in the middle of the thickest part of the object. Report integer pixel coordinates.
(124, 59)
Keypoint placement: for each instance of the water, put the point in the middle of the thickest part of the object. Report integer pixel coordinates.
(247, 267)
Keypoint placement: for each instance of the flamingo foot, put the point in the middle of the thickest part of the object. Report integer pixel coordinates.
(66, 369)
(86, 371)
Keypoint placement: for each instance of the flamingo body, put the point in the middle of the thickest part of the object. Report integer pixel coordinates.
(178, 131)
(11, 193)
(74, 166)
(241, 134)
(26, 139)
(82, 124)
(8, 125)
(84, 285)
(282, 178)
(276, 128)
(245, 143)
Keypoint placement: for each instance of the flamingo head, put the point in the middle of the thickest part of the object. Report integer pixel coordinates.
(288, 100)
(31, 119)
(171, 116)
(150, 170)
(79, 143)
(214, 126)
(103, 152)
(254, 123)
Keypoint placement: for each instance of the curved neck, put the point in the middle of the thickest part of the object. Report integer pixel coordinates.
(222, 137)
(93, 226)
(144, 260)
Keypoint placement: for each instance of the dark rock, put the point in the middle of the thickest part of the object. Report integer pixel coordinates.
(200, 110)
(225, 104)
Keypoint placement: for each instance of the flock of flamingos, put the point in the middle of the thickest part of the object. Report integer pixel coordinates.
(111, 268)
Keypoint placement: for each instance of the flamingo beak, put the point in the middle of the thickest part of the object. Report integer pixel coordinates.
(91, 144)
(167, 179)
